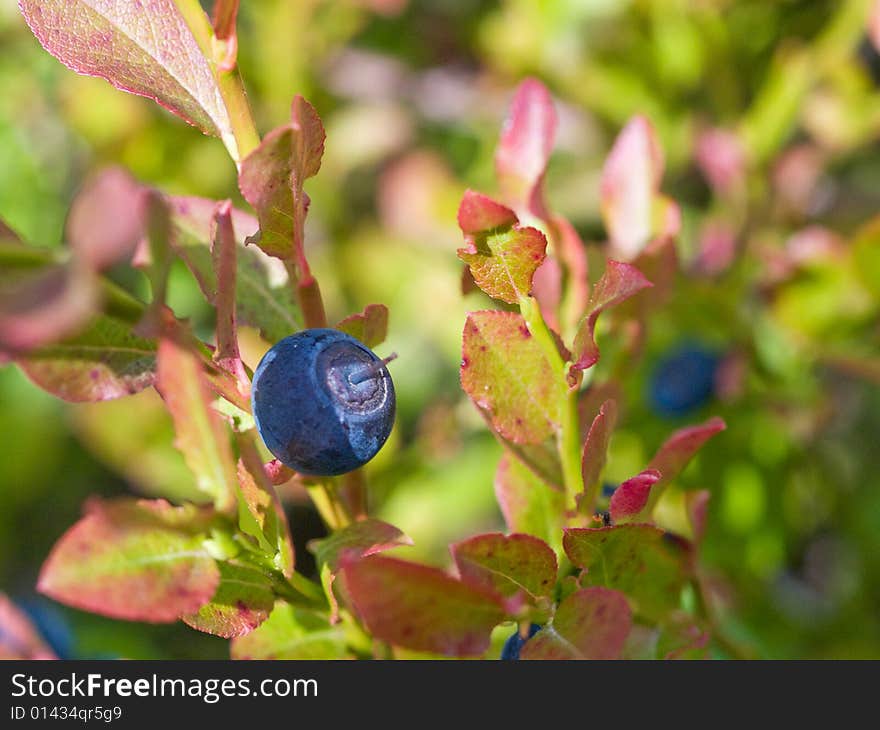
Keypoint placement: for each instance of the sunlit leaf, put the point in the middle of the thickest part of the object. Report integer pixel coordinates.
(292, 633)
(369, 326)
(528, 503)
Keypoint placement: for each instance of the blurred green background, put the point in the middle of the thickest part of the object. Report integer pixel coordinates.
(413, 94)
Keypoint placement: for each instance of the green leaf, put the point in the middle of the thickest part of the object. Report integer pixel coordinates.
(201, 434)
(104, 361)
(143, 48)
(503, 258)
(133, 559)
(528, 503)
(263, 298)
(357, 540)
(505, 373)
(292, 633)
(508, 565)
(591, 623)
(243, 600)
(647, 564)
(422, 608)
(369, 326)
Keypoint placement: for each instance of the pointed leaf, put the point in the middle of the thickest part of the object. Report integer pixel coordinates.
(292, 633)
(224, 255)
(201, 435)
(619, 282)
(505, 373)
(107, 219)
(508, 565)
(103, 362)
(525, 146)
(145, 48)
(263, 297)
(502, 255)
(136, 560)
(19, 639)
(528, 503)
(642, 561)
(243, 600)
(422, 608)
(369, 326)
(357, 540)
(632, 495)
(595, 454)
(630, 183)
(272, 178)
(697, 504)
(675, 453)
(592, 623)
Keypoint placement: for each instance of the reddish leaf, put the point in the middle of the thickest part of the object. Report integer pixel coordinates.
(592, 623)
(630, 184)
(682, 638)
(630, 497)
(242, 601)
(107, 219)
(292, 633)
(19, 639)
(595, 454)
(201, 435)
(504, 262)
(145, 48)
(528, 503)
(619, 282)
(722, 159)
(525, 146)
(647, 564)
(103, 362)
(272, 178)
(8, 236)
(223, 21)
(697, 504)
(675, 453)
(422, 608)
(505, 373)
(507, 565)
(573, 254)
(223, 253)
(369, 326)
(478, 213)
(136, 560)
(357, 540)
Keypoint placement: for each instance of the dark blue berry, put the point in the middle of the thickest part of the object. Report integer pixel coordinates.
(52, 624)
(323, 402)
(683, 381)
(512, 647)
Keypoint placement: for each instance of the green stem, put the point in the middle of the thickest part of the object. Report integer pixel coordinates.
(568, 435)
(328, 505)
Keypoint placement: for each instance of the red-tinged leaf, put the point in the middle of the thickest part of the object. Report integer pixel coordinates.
(528, 503)
(631, 496)
(422, 608)
(507, 564)
(874, 25)
(105, 361)
(647, 564)
(619, 282)
(503, 263)
(630, 183)
(682, 638)
(40, 305)
(201, 435)
(357, 540)
(595, 454)
(369, 326)
(272, 178)
(243, 600)
(592, 623)
(573, 254)
(697, 504)
(478, 214)
(547, 290)
(263, 296)
(224, 255)
(722, 159)
(525, 146)
(675, 453)
(223, 22)
(19, 639)
(292, 633)
(135, 560)
(8, 236)
(261, 521)
(107, 219)
(145, 48)
(505, 373)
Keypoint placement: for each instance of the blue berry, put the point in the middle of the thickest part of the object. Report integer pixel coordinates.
(683, 381)
(515, 643)
(323, 402)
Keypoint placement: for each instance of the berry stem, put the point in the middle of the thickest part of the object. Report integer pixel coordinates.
(368, 371)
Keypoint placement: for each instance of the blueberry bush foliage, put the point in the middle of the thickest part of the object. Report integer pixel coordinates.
(586, 569)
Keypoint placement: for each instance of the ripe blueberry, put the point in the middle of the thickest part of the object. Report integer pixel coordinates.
(323, 402)
(514, 644)
(683, 381)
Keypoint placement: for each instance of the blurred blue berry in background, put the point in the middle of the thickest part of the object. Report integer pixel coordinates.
(515, 643)
(683, 380)
(52, 624)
